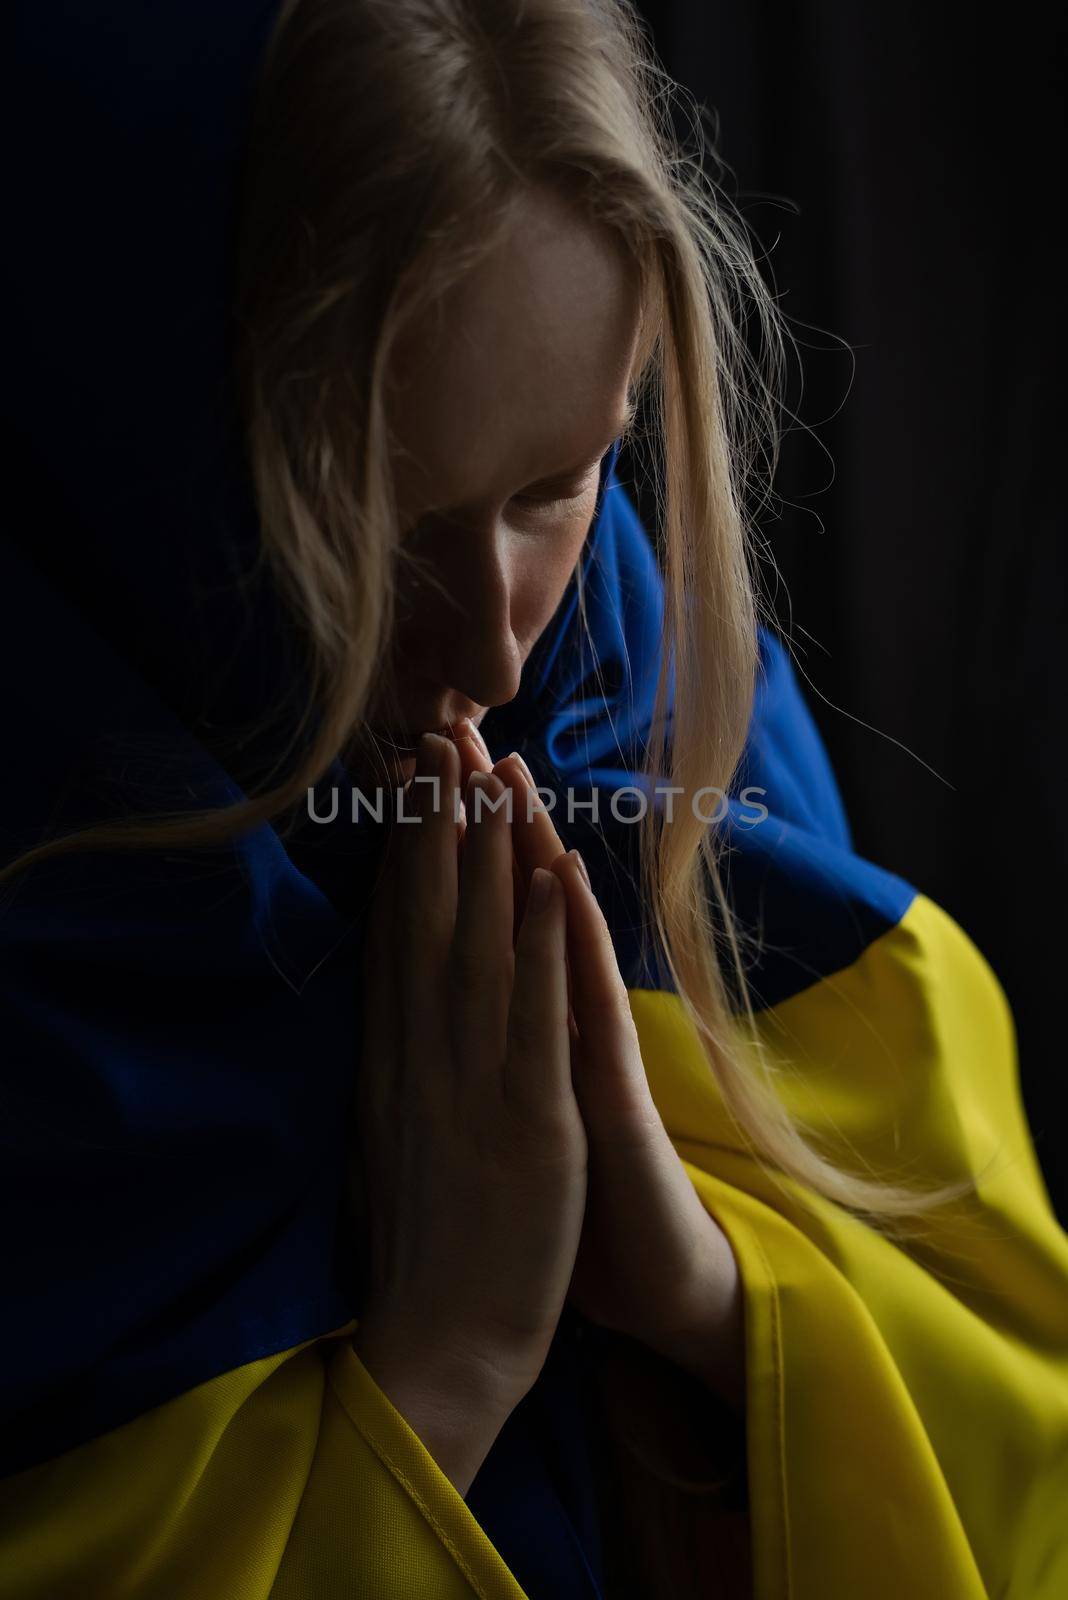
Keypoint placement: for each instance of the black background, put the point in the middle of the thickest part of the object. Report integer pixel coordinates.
(902, 168)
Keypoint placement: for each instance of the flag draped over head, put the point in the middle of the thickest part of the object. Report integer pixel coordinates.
(183, 1413)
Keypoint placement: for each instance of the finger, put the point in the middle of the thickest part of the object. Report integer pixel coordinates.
(465, 729)
(474, 757)
(534, 836)
(426, 913)
(536, 842)
(481, 961)
(611, 1086)
(537, 1076)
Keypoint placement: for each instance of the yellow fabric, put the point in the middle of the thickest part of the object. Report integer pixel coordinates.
(907, 1414)
(292, 1478)
(907, 1405)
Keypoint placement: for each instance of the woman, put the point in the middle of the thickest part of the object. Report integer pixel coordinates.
(354, 1252)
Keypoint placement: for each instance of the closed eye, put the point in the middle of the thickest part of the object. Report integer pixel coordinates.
(539, 502)
(552, 497)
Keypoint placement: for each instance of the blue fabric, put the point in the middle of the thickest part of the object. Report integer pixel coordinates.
(807, 904)
(535, 1492)
(179, 1027)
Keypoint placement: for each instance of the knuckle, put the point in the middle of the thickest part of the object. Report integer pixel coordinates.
(422, 920)
(611, 1009)
(608, 999)
(478, 971)
(527, 1031)
(540, 1134)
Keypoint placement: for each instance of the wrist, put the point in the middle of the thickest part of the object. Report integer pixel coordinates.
(455, 1402)
(711, 1348)
(458, 1378)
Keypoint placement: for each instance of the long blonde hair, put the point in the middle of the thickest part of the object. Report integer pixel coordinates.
(388, 141)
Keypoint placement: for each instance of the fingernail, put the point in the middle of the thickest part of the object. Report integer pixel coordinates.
(489, 784)
(582, 868)
(466, 726)
(515, 756)
(540, 889)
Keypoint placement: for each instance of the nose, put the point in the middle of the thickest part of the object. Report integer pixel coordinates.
(465, 630)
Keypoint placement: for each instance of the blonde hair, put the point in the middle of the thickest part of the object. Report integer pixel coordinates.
(388, 142)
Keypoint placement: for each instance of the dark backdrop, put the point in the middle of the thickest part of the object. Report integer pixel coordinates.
(903, 167)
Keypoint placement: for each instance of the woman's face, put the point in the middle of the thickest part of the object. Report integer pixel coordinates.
(502, 403)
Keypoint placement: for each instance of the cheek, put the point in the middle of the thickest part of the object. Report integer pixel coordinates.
(543, 559)
(544, 575)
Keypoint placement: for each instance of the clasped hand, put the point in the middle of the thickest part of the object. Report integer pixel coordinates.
(512, 1154)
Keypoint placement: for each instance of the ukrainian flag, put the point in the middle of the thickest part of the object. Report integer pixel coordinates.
(183, 1414)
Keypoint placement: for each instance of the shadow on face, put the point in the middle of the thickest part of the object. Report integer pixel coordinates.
(503, 400)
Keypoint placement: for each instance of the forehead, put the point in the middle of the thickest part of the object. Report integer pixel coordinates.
(520, 369)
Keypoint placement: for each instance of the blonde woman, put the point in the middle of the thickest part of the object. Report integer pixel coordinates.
(473, 1124)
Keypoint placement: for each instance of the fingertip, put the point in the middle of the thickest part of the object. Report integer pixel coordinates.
(509, 770)
(474, 757)
(580, 866)
(571, 865)
(468, 730)
(542, 890)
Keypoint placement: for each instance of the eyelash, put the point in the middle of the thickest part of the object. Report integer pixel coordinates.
(543, 506)
(547, 503)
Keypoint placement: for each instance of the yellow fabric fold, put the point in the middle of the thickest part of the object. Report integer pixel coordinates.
(906, 1406)
(390, 1523)
(907, 1403)
(292, 1478)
